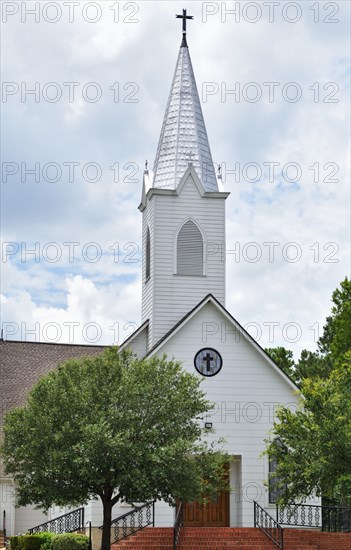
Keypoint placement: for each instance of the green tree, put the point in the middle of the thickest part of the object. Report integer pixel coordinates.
(336, 338)
(284, 359)
(111, 427)
(312, 364)
(331, 346)
(316, 450)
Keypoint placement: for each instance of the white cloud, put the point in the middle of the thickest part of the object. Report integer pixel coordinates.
(92, 314)
(112, 132)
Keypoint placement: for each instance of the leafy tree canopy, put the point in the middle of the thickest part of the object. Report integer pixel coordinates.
(316, 450)
(113, 427)
(331, 346)
(284, 358)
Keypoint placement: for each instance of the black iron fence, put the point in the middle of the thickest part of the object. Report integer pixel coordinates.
(133, 521)
(268, 525)
(67, 523)
(326, 518)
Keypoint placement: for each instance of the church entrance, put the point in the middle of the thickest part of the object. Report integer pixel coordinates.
(211, 514)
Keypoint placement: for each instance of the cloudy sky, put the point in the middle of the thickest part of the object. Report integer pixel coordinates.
(84, 93)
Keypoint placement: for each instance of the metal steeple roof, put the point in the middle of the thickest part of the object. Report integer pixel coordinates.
(183, 136)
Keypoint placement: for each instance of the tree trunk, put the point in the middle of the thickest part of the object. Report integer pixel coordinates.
(106, 529)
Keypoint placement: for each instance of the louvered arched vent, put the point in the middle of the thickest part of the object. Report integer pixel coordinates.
(190, 250)
(147, 254)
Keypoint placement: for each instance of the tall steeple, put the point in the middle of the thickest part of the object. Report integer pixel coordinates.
(183, 136)
(183, 207)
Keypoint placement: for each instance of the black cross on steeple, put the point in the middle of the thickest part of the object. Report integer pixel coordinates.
(184, 17)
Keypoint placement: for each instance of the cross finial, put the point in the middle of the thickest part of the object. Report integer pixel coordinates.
(190, 153)
(184, 17)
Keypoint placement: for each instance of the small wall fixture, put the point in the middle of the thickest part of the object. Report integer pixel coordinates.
(208, 425)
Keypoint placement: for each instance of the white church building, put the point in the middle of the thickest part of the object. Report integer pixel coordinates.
(183, 306)
(184, 315)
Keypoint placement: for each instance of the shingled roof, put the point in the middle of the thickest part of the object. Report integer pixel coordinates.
(183, 134)
(22, 364)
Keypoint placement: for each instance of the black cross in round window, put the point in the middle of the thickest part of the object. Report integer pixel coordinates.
(208, 362)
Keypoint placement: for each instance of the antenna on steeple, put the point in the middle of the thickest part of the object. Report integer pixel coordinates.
(145, 165)
(184, 17)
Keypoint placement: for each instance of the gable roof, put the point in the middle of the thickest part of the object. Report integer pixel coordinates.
(134, 334)
(211, 299)
(148, 190)
(24, 363)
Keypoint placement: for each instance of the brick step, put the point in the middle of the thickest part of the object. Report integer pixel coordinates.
(228, 538)
(136, 541)
(142, 546)
(195, 540)
(248, 545)
(228, 544)
(153, 531)
(138, 544)
(211, 538)
(161, 538)
(225, 537)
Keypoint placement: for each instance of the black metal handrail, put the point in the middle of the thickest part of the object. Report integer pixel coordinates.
(67, 523)
(133, 521)
(4, 524)
(327, 518)
(268, 525)
(178, 524)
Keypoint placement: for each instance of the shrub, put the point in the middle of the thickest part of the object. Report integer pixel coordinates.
(16, 542)
(32, 542)
(70, 542)
(46, 540)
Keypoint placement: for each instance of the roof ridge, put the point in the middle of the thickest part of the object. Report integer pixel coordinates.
(55, 343)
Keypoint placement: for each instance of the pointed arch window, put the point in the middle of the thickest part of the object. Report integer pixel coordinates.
(147, 254)
(190, 250)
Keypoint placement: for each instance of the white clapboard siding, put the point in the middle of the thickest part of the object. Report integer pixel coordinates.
(245, 394)
(147, 254)
(27, 517)
(7, 506)
(147, 284)
(167, 294)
